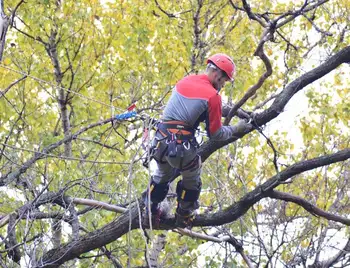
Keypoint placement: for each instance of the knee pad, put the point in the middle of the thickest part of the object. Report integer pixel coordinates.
(184, 194)
(158, 191)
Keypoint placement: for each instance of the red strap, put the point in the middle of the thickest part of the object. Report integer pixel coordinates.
(131, 107)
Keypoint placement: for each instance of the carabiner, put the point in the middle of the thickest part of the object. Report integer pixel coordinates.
(188, 146)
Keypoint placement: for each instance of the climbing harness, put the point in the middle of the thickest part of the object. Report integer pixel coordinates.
(178, 137)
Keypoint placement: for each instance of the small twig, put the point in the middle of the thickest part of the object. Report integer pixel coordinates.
(316, 27)
(252, 90)
(101, 144)
(261, 104)
(286, 40)
(2, 93)
(293, 15)
(275, 153)
(227, 238)
(170, 15)
(38, 38)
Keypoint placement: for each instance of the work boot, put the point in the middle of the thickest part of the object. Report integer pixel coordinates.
(156, 214)
(184, 217)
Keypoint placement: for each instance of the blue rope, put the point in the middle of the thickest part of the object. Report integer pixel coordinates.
(125, 116)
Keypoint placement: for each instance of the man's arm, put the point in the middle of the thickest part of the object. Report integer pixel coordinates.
(215, 128)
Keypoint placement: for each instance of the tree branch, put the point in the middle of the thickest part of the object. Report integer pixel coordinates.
(14, 252)
(13, 13)
(120, 226)
(238, 209)
(260, 119)
(300, 11)
(333, 260)
(307, 206)
(170, 15)
(251, 15)
(15, 174)
(252, 90)
(53, 197)
(226, 238)
(270, 28)
(4, 24)
(2, 93)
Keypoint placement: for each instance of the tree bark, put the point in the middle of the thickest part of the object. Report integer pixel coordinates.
(120, 226)
(4, 24)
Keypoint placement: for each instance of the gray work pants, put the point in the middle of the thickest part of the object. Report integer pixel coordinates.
(166, 167)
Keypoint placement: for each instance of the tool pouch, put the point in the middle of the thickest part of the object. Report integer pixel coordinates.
(172, 148)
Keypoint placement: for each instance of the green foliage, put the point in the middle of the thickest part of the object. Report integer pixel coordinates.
(114, 53)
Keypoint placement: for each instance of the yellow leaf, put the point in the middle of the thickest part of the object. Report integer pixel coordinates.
(7, 61)
(251, 184)
(304, 243)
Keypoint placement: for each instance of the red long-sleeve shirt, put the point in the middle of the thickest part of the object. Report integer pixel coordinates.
(194, 100)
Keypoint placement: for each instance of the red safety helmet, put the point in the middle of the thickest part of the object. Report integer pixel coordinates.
(224, 63)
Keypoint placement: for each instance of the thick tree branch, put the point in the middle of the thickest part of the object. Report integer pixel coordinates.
(260, 119)
(93, 240)
(4, 24)
(251, 15)
(51, 197)
(120, 226)
(14, 252)
(238, 209)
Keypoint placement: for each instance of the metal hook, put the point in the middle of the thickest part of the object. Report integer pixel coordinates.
(188, 146)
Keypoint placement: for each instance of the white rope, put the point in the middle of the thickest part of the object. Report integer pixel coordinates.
(64, 157)
(55, 86)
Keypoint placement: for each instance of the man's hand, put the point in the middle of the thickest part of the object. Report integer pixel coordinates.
(243, 126)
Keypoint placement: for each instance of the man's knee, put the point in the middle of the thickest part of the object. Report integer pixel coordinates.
(188, 195)
(158, 191)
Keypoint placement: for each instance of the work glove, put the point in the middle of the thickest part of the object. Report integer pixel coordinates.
(242, 126)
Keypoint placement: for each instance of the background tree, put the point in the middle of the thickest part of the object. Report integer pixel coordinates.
(71, 175)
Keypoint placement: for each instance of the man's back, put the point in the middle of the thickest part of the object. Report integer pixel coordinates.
(194, 99)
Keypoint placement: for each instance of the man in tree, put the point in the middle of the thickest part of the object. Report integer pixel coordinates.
(195, 98)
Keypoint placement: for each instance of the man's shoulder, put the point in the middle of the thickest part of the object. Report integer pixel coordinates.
(196, 85)
(199, 79)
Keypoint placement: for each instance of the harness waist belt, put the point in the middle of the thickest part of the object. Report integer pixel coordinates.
(181, 130)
